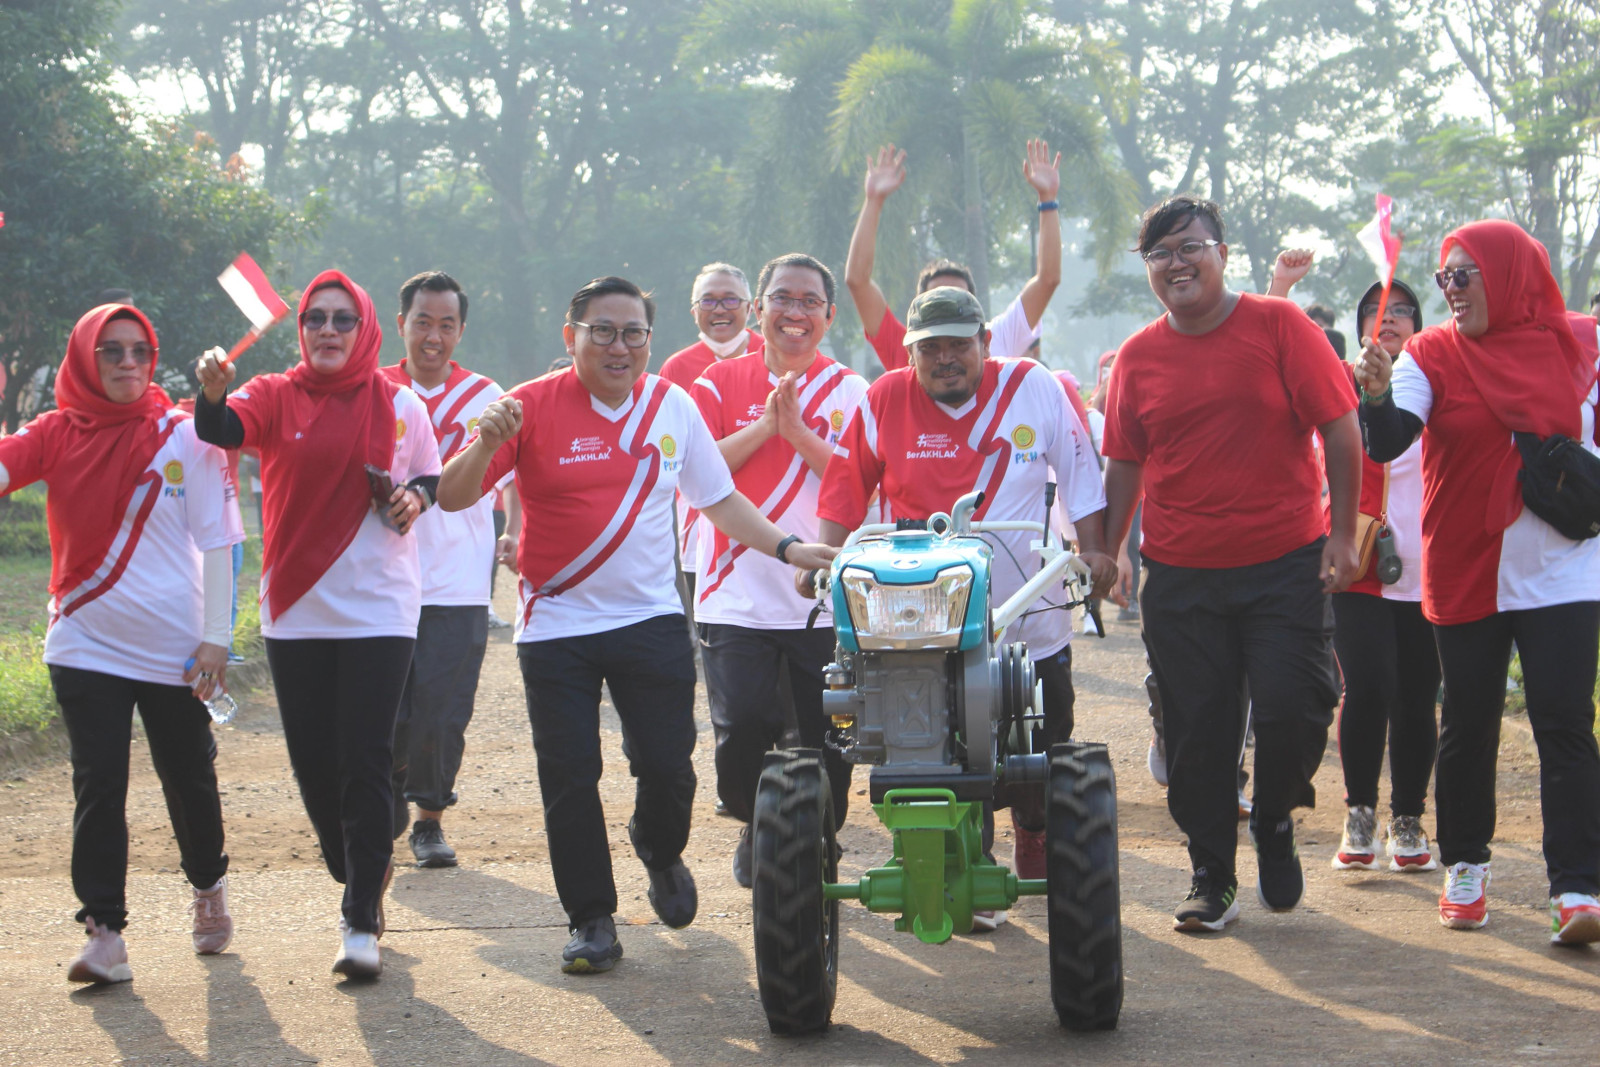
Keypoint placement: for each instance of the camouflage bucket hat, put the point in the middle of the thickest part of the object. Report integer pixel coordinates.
(943, 312)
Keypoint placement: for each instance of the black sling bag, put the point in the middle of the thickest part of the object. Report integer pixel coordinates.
(1561, 484)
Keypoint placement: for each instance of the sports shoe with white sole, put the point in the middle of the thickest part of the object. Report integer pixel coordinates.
(213, 926)
(1211, 905)
(987, 922)
(1356, 850)
(1574, 919)
(103, 960)
(359, 956)
(1408, 845)
(1464, 904)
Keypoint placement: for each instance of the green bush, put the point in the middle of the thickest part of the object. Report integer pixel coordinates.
(27, 703)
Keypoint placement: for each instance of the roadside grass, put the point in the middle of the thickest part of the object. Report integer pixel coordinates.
(27, 703)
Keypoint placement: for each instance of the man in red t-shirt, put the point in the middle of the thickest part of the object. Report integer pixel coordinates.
(1210, 412)
(1010, 332)
(720, 304)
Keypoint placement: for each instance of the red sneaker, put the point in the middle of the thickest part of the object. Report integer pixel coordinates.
(1464, 904)
(1574, 919)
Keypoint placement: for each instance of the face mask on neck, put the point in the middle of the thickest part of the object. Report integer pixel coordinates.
(724, 349)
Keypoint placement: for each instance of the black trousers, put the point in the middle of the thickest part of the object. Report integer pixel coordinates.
(338, 699)
(1391, 681)
(1557, 645)
(744, 669)
(430, 731)
(1211, 631)
(98, 712)
(649, 669)
(1060, 700)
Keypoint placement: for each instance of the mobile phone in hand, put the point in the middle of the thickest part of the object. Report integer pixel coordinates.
(382, 487)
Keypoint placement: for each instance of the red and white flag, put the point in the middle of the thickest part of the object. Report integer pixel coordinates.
(1383, 248)
(247, 286)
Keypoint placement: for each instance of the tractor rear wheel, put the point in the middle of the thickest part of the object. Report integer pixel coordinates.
(796, 927)
(1085, 897)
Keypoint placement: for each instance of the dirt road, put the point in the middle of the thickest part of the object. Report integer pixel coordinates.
(1361, 972)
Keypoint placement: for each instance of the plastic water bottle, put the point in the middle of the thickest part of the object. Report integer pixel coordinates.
(222, 707)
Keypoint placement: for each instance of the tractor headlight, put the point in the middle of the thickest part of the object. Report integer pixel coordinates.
(929, 615)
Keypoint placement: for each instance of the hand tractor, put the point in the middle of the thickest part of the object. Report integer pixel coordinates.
(947, 721)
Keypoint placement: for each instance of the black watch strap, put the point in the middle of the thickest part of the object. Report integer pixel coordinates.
(782, 551)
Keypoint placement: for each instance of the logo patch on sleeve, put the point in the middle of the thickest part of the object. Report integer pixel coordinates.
(173, 472)
(1023, 436)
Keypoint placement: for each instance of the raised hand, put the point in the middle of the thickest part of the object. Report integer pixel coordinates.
(885, 172)
(1373, 368)
(500, 422)
(1042, 172)
(1291, 265)
(215, 374)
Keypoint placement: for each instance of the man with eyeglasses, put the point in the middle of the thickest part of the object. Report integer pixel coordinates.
(456, 553)
(777, 415)
(720, 305)
(1015, 328)
(1210, 416)
(957, 421)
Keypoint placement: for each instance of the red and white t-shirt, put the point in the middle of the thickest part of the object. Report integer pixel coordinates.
(596, 486)
(1222, 424)
(1006, 441)
(455, 548)
(141, 614)
(1010, 336)
(681, 369)
(374, 588)
(1468, 573)
(740, 587)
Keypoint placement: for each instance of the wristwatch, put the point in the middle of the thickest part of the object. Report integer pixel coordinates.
(782, 551)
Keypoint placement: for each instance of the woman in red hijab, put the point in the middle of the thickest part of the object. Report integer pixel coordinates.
(340, 587)
(1510, 359)
(142, 519)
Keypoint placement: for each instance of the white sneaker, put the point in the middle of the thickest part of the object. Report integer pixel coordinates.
(358, 954)
(103, 960)
(984, 922)
(1157, 759)
(1408, 845)
(495, 621)
(1356, 850)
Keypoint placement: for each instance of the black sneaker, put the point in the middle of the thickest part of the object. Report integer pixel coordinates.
(744, 862)
(428, 846)
(594, 947)
(1279, 881)
(673, 895)
(1211, 904)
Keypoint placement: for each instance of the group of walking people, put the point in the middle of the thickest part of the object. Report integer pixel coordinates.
(1229, 420)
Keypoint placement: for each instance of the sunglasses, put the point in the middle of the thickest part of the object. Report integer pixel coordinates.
(113, 353)
(343, 321)
(1459, 277)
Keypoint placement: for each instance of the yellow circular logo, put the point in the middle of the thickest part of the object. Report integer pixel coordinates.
(837, 419)
(1023, 437)
(472, 427)
(173, 472)
(399, 429)
(669, 447)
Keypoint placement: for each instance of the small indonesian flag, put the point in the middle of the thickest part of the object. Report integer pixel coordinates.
(249, 288)
(2, 220)
(1381, 246)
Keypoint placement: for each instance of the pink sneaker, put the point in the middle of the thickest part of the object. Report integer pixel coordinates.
(213, 926)
(103, 960)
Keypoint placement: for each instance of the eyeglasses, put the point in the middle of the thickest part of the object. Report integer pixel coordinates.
(1399, 311)
(604, 334)
(727, 303)
(1188, 252)
(785, 302)
(343, 321)
(112, 353)
(1458, 276)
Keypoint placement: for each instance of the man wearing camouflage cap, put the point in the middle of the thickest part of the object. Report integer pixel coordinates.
(957, 421)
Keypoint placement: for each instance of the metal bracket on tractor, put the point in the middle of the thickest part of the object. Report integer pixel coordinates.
(947, 719)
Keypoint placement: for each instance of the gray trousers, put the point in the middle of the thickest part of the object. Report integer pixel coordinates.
(430, 732)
